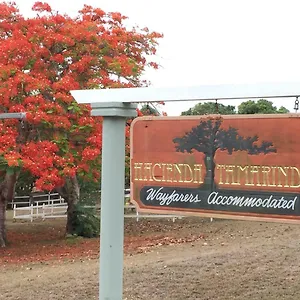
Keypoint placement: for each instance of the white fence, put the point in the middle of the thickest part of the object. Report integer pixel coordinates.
(57, 208)
(26, 200)
(53, 208)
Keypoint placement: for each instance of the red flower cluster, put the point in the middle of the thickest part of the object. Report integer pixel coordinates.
(41, 60)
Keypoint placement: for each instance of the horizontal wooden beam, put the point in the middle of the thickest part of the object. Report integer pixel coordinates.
(193, 93)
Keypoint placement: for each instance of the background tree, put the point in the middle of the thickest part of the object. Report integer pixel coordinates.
(261, 106)
(210, 108)
(41, 59)
(149, 110)
(25, 183)
(208, 137)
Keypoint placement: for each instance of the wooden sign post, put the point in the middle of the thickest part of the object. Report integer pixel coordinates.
(235, 167)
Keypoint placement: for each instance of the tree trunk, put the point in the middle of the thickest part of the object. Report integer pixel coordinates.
(209, 180)
(70, 192)
(3, 239)
(7, 190)
(74, 193)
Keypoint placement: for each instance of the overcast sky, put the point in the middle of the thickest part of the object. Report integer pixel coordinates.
(212, 41)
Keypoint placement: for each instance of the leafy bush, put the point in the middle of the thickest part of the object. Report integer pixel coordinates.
(85, 221)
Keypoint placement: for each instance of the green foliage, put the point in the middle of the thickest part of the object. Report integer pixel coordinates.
(261, 106)
(89, 191)
(87, 186)
(24, 183)
(85, 222)
(148, 110)
(210, 108)
(127, 171)
(282, 110)
(90, 198)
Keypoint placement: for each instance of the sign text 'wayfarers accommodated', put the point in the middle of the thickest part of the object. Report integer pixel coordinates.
(243, 167)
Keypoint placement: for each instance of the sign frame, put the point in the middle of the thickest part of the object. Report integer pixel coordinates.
(206, 212)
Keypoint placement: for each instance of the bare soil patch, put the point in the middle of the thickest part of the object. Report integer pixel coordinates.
(189, 259)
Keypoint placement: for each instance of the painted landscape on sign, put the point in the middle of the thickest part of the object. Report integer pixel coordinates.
(242, 166)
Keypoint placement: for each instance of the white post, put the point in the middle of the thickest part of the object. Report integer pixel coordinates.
(112, 197)
(15, 210)
(115, 105)
(31, 212)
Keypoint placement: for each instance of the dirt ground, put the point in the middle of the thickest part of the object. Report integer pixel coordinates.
(222, 259)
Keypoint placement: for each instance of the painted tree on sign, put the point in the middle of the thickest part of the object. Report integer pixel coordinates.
(41, 59)
(208, 137)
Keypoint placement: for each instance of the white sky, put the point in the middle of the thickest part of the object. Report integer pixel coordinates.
(212, 41)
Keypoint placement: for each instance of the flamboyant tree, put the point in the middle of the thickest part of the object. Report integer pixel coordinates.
(209, 137)
(42, 58)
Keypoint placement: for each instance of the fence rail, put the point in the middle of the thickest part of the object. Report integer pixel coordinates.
(57, 208)
(28, 200)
